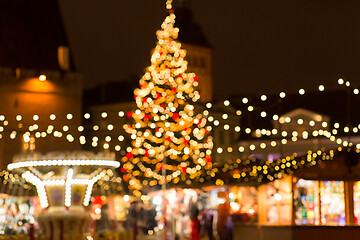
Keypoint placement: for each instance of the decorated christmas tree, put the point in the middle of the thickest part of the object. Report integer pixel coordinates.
(170, 139)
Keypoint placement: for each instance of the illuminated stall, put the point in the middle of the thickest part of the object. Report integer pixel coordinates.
(176, 208)
(275, 201)
(243, 203)
(319, 202)
(17, 214)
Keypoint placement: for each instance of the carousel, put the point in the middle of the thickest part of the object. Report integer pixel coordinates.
(64, 183)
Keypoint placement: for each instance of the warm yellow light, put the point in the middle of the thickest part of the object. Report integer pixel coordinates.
(42, 77)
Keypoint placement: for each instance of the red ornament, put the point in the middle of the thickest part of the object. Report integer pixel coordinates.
(168, 139)
(146, 152)
(195, 78)
(184, 169)
(170, 10)
(208, 158)
(129, 155)
(145, 99)
(122, 170)
(174, 89)
(180, 75)
(97, 200)
(135, 96)
(186, 141)
(158, 95)
(128, 114)
(163, 106)
(175, 116)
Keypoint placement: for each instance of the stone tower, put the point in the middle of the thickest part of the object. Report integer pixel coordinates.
(33, 43)
(199, 50)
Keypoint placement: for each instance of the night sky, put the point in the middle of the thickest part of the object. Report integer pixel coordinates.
(260, 46)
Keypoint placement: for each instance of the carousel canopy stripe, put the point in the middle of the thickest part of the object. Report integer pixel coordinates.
(74, 162)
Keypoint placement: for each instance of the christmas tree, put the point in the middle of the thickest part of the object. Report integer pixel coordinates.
(170, 141)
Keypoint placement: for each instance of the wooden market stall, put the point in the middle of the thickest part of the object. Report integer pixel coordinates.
(317, 202)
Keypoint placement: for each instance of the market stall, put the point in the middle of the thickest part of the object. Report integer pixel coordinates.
(321, 200)
(17, 214)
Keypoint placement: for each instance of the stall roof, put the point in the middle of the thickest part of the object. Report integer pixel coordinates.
(345, 166)
(342, 164)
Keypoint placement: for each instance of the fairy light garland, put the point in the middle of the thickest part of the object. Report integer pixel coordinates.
(270, 171)
(50, 130)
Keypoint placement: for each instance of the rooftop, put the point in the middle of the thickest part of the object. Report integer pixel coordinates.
(30, 34)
